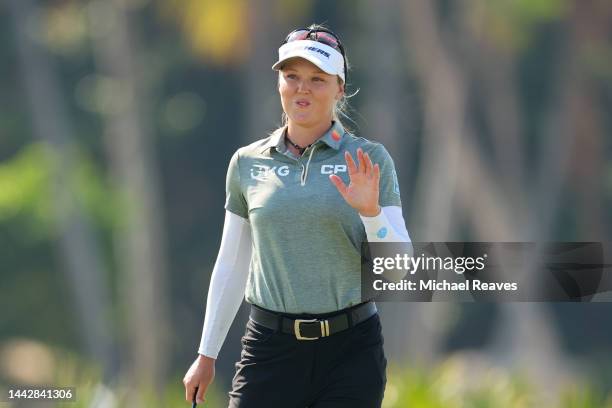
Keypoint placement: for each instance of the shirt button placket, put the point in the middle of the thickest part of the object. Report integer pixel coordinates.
(299, 167)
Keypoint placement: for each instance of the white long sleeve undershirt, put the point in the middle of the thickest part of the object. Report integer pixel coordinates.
(231, 270)
(227, 283)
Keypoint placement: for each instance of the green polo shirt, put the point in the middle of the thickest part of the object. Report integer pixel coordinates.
(306, 238)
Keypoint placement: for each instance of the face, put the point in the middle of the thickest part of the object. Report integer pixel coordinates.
(308, 95)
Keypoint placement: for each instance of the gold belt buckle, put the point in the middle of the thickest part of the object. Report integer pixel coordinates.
(324, 328)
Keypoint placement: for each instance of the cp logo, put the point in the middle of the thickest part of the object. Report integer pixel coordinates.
(333, 168)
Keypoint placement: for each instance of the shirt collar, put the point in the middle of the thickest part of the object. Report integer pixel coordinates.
(276, 139)
(333, 138)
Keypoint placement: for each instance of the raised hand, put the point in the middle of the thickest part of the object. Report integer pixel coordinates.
(363, 189)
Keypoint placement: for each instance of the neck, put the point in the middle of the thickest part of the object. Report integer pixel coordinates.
(304, 136)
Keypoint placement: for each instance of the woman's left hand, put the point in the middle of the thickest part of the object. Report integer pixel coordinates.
(362, 191)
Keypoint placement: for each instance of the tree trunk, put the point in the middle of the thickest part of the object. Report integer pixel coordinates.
(83, 263)
(140, 242)
(262, 106)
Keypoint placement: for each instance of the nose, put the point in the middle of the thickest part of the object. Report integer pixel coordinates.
(302, 86)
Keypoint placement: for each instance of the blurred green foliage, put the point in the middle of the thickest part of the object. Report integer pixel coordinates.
(512, 24)
(448, 385)
(26, 190)
(32, 278)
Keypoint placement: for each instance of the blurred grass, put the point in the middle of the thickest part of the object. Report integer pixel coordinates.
(29, 363)
(450, 385)
(458, 382)
(91, 392)
(455, 383)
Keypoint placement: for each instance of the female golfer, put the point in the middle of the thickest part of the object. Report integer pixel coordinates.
(298, 205)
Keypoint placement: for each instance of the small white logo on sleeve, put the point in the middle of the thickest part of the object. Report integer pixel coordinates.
(261, 172)
(333, 168)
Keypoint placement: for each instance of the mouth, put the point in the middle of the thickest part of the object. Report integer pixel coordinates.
(302, 103)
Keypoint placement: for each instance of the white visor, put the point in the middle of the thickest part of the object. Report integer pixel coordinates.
(322, 55)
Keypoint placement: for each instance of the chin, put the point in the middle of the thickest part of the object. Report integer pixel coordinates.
(303, 120)
(300, 120)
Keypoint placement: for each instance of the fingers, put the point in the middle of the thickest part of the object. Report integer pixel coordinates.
(365, 163)
(201, 391)
(190, 391)
(362, 161)
(195, 393)
(337, 181)
(350, 163)
(376, 173)
(365, 167)
(369, 170)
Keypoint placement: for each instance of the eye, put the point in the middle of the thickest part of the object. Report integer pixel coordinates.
(291, 76)
(316, 79)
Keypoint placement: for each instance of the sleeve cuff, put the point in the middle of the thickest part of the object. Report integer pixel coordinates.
(208, 352)
(377, 226)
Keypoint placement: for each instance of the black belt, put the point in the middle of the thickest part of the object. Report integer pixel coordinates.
(313, 327)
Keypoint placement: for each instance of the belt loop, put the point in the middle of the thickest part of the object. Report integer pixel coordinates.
(279, 324)
(349, 316)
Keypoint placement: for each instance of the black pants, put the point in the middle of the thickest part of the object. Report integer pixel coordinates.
(346, 369)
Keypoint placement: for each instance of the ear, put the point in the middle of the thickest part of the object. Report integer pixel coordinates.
(340, 93)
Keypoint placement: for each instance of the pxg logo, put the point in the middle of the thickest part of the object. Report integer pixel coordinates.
(261, 172)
